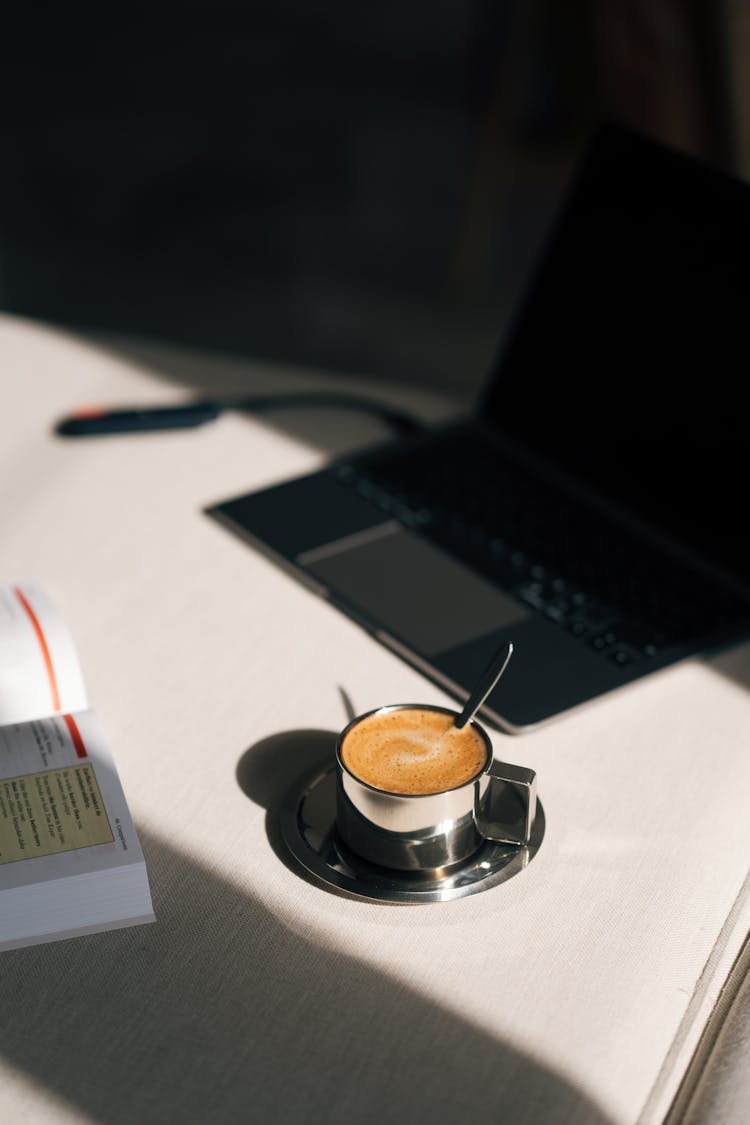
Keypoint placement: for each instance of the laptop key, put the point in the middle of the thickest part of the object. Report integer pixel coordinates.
(601, 641)
(622, 657)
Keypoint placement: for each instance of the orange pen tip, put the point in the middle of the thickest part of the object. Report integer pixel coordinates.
(89, 412)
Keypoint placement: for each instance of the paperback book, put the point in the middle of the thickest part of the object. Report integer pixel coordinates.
(70, 860)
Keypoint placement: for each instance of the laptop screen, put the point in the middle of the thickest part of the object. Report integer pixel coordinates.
(625, 363)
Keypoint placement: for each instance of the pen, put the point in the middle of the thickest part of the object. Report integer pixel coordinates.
(97, 420)
(100, 420)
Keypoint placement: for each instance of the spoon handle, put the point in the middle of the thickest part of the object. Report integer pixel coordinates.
(485, 683)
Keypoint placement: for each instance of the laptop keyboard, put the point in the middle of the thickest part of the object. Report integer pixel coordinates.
(567, 561)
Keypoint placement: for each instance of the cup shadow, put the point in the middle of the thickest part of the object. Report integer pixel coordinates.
(222, 1012)
(267, 771)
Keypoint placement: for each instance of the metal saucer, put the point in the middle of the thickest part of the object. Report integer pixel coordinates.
(308, 827)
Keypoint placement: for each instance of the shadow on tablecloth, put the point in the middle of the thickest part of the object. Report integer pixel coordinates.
(220, 1013)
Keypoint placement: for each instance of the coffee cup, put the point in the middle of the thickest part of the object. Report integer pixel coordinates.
(417, 794)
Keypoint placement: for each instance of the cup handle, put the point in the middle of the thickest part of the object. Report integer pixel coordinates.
(524, 782)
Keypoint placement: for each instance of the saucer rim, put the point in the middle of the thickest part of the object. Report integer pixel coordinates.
(505, 861)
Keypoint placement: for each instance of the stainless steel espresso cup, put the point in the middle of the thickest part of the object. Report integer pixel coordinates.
(431, 833)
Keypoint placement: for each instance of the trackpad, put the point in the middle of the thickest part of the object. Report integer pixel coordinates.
(413, 590)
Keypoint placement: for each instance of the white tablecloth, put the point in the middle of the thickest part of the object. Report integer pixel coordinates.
(575, 992)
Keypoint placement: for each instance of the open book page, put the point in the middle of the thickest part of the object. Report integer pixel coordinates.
(70, 861)
(63, 816)
(39, 669)
(62, 807)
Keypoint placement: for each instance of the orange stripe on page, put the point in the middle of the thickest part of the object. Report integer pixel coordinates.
(75, 734)
(43, 646)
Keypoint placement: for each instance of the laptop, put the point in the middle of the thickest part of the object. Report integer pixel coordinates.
(591, 510)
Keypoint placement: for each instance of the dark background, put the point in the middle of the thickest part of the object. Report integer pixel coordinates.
(356, 187)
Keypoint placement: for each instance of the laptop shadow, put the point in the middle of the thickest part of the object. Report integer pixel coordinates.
(223, 1011)
(732, 663)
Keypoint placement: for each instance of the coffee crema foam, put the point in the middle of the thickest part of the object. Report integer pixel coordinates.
(413, 751)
